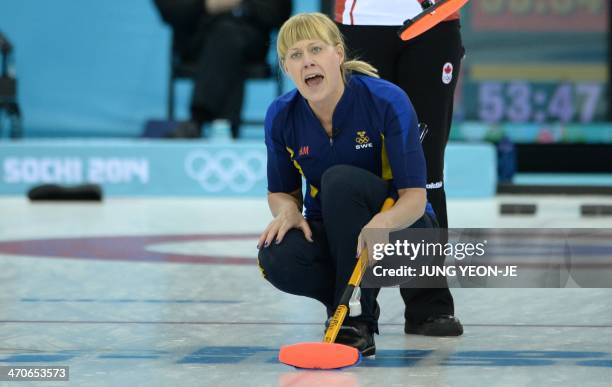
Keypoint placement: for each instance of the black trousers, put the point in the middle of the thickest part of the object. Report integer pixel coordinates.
(350, 197)
(417, 67)
(221, 49)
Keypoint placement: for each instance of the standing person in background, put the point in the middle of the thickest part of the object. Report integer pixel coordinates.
(426, 68)
(221, 37)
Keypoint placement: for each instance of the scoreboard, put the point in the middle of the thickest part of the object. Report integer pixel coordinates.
(536, 62)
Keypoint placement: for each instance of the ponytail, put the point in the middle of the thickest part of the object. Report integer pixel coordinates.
(358, 66)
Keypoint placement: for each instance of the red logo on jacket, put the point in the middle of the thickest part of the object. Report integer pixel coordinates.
(304, 150)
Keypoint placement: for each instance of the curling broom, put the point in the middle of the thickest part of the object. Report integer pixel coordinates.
(433, 13)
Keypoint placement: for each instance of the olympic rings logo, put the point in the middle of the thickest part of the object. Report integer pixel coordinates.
(238, 172)
(362, 138)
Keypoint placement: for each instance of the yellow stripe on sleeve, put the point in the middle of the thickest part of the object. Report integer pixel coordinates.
(387, 174)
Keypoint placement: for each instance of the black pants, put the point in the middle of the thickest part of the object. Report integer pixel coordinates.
(350, 197)
(221, 48)
(417, 67)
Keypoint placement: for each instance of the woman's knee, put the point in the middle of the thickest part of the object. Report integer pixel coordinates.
(341, 182)
(339, 177)
(279, 262)
(344, 186)
(268, 264)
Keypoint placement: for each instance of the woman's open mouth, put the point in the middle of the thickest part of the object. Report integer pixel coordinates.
(313, 80)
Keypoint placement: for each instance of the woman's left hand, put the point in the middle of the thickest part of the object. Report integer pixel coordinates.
(380, 222)
(409, 207)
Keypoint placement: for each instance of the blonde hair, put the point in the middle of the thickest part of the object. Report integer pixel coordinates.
(317, 26)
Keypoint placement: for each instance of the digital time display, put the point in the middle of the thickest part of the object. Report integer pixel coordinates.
(540, 15)
(519, 102)
(554, 7)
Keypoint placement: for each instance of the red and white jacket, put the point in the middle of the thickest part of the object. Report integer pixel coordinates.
(379, 12)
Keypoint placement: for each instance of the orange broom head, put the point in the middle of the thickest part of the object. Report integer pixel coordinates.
(428, 19)
(324, 356)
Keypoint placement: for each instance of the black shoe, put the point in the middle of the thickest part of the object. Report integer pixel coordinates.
(357, 334)
(441, 326)
(186, 129)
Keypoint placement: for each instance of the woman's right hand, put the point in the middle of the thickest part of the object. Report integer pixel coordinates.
(284, 221)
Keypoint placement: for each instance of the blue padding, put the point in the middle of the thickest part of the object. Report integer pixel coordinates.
(87, 67)
(470, 170)
(188, 168)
